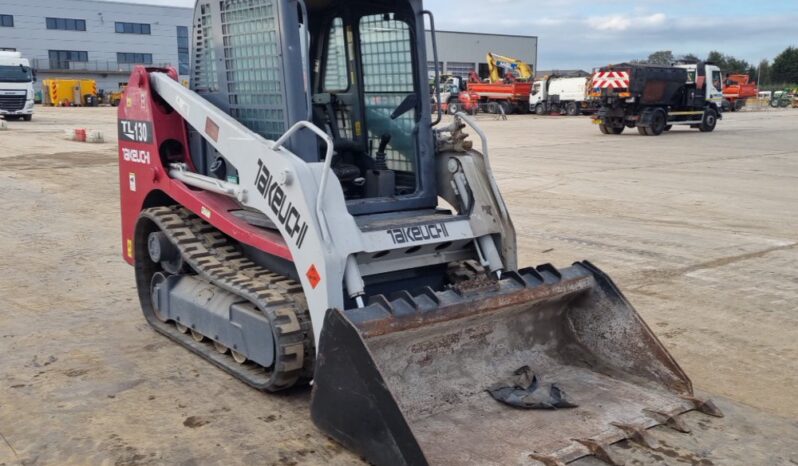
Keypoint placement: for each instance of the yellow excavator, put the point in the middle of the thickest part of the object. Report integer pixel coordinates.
(514, 69)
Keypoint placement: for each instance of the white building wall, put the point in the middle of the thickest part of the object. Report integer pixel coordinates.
(100, 40)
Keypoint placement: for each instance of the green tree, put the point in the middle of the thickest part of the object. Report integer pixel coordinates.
(662, 57)
(785, 67)
(752, 73)
(762, 75)
(690, 57)
(737, 66)
(728, 64)
(716, 58)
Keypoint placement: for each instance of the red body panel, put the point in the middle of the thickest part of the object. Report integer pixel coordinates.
(501, 91)
(469, 101)
(143, 173)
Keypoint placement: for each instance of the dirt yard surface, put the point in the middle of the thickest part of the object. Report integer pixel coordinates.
(699, 230)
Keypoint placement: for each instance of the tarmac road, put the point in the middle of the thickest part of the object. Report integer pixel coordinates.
(699, 230)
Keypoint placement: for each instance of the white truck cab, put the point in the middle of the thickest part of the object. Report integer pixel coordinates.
(712, 77)
(16, 86)
(536, 96)
(555, 94)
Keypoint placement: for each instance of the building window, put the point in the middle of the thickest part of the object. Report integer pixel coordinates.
(182, 50)
(134, 58)
(60, 59)
(66, 24)
(460, 69)
(132, 28)
(6, 21)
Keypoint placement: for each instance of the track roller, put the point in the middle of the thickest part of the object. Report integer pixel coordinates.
(198, 337)
(220, 348)
(238, 357)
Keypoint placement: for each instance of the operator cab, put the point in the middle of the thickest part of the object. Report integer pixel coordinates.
(357, 69)
(368, 95)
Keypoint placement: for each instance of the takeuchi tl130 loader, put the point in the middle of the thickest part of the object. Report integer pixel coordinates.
(300, 215)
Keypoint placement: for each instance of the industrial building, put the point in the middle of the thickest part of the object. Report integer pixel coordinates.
(459, 53)
(95, 39)
(103, 40)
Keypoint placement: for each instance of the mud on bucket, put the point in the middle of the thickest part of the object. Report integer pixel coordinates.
(409, 381)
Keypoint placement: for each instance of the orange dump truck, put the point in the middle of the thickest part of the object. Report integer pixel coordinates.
(510, 97)
(738, 88)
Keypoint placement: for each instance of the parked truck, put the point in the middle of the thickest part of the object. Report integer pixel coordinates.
(70, 92)
(16, 86)
(504, 94)
(555, 94)
(455, 96)
(654, 98)
(737, 89)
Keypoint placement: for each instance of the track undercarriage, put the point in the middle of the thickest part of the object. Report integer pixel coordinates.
(209, 258)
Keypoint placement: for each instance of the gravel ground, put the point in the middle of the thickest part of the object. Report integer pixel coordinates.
(699, 230)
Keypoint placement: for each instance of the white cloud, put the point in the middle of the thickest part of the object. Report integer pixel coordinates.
(625, 22)
(610, 23)
(547, 21)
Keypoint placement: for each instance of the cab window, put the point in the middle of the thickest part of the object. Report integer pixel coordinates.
(336, 74)
(388, 79)
(717, 81)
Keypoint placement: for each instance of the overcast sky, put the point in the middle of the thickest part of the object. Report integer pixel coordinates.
(586, 34)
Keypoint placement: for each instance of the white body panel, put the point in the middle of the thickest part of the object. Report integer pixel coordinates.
(568, 90)
(10, 89)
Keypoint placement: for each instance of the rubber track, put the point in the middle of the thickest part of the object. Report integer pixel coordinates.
(214, 257)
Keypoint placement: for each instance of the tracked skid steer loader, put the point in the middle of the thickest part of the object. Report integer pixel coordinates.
(299, 215)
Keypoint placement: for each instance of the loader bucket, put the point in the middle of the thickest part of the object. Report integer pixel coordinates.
(405, 380)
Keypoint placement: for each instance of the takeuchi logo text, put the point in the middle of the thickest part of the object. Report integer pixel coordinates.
(418, 233)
